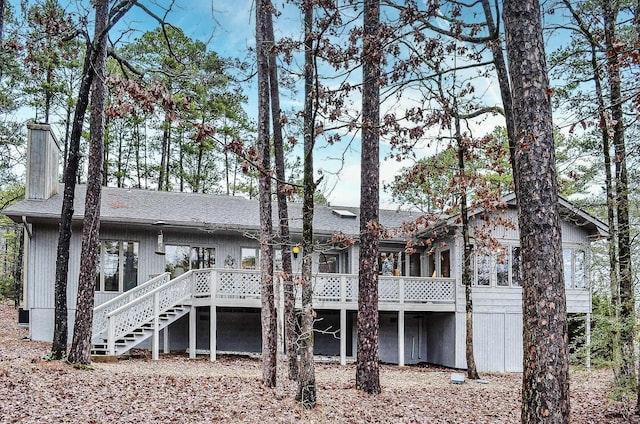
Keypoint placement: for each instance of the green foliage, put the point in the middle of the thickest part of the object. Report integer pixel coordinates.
(602, 324)
(185, 87)
(52, 57)
(433, 184)
(7, 288)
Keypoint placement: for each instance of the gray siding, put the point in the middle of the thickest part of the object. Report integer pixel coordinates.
(441, 338)
(497, 342)
(42, 163)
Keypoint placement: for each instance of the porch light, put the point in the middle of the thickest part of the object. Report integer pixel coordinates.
(295, 251)
(160, 246)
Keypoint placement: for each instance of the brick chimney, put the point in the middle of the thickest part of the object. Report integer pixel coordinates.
(42, 162)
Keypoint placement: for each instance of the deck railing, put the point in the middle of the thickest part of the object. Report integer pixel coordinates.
(245, 284)
(131, 309)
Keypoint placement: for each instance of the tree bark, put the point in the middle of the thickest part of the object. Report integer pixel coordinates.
(290, 333)
(268, 315)
(545, 392)
(368, 367)
(472, 372)
(307, 373)
(626, 368)
(82, 330)
(163, 178)
(60, 331)
(503, 81)
(2, 10)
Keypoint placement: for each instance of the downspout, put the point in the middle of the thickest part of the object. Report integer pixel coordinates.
(27, 226)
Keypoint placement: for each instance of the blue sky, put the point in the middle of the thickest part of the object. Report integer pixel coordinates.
(227, 26)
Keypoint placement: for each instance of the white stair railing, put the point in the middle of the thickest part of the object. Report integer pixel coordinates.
(147, 308)
(100, 312)
(144, 304)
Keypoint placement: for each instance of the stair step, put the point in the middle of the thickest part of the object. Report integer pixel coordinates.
(140, 333)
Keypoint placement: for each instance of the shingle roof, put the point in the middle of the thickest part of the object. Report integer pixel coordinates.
(145, 207)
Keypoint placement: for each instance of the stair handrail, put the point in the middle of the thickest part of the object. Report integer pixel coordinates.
(100, 312)
(141, 310)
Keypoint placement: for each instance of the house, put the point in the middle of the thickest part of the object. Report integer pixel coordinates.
(178, 271)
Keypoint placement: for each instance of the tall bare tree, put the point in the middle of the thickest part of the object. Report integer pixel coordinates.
(467, 253)
(368, 368)
(545, 391)
(60, 333)
(283, 209)
(268, 316)
(306, 373)
(628, 323)
(81, 343)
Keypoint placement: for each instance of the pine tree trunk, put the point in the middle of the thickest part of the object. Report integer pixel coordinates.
(503, 81)
(545, 392)
(164, 156)
(264, 180)
(290, 334)
(626, 368)
(81, 345)
(60, 332)
(2, 9)
(368, 367)
(307, 392)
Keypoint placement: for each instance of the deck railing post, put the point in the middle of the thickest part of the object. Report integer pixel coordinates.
(111, 343)
(400, 290)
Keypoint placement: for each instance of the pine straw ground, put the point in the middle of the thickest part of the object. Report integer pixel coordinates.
(178, 390)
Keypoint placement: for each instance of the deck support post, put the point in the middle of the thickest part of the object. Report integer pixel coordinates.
(401, 338)
(213, 318)
(343, 336)
(155, 341)
(192, 332)
(587, 331)
(165, 340)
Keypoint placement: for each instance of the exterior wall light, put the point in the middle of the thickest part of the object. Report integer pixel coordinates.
(295, 251)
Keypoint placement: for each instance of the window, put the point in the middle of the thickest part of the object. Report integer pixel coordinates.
(580, 274)
(203, 257)
(180, 259)
(516, 268)
(390, 263)
(483, 270)
(445, 263)
(415, 265)
(574, 268)
(431, 265)
(328, 263)
(250, 258)
(177, 260)
(277, 260)
(117, 268)
(502, 268)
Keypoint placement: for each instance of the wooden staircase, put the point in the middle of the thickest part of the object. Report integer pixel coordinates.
(139, 314)
(141, 333)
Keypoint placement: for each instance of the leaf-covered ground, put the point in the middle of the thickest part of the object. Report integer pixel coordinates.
(178, 390)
